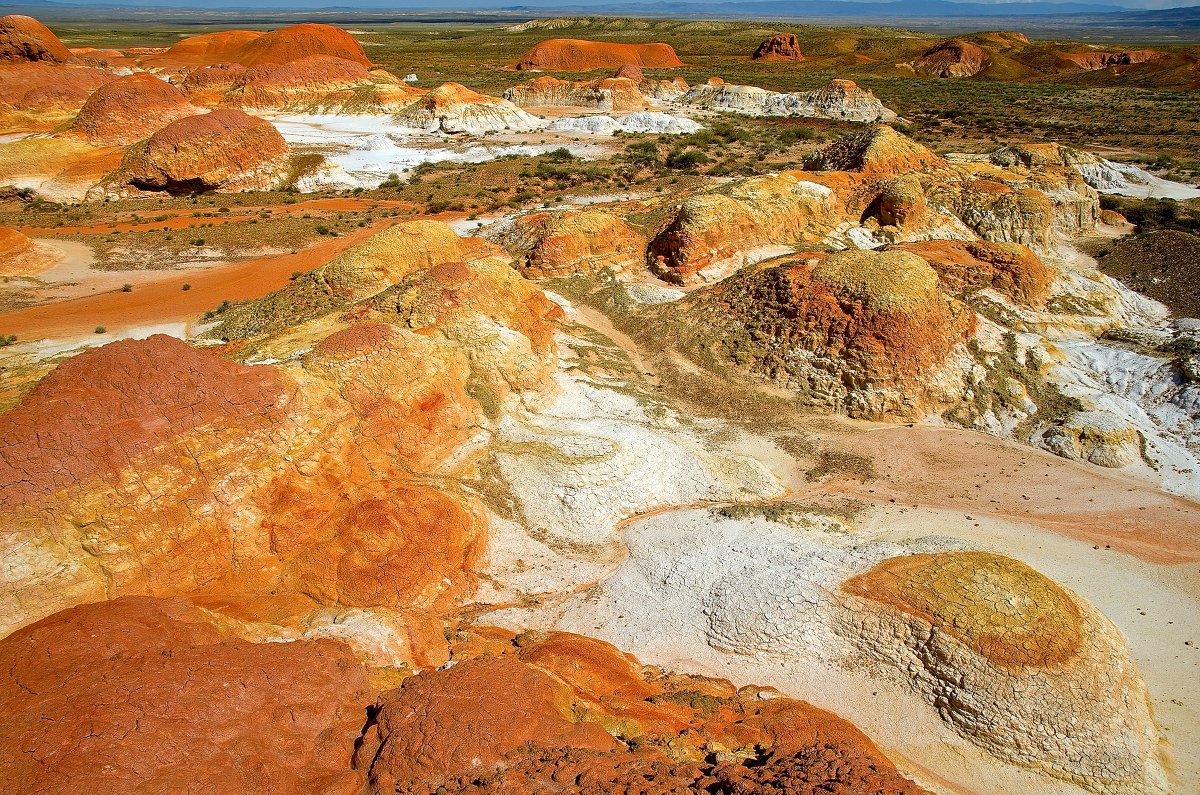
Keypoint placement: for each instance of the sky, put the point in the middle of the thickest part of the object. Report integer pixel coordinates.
(402, 5)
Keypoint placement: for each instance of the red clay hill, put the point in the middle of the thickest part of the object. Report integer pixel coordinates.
(130, 109)
(226, 150)
(780, 47)
(25, 39)
(144, 694)
(578, 55)
(953, 58)
(251, 48)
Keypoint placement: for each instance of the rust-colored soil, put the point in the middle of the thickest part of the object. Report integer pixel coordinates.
(163, 300)
(973, 473)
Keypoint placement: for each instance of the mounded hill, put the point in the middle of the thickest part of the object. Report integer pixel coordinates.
(454, 108)
(866, 332)
(780, 47)
(953, 58)
(1094, 60)
(566, 243)
(130, 109)
(210, 48)
(617, 94)
(250, 48)
(20, 256)
(877, 150)
(25, 39)
(301, 41)
(536, 715)
(222, 150)
(578, 55)
(967, 266)
(321, 82)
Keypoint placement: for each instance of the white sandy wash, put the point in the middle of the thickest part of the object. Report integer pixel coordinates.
(364, 150)
(615, 529)
(361, 151)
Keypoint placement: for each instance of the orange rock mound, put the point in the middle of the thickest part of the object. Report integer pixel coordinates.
(878, 150)
(98, 411)
(578, 55)
(533, 719)
(13, 244)
(953, 58)
(209, 48)
(615, 94)
(301, 41)
(630, 71)
(780, 47)
(1008, 268)
(20, 256)
(25, 39)
(38, 95)
(316, 81)
(222, 150)
(864, 332)
(130, 109)
(251, 47)
(145, 695)
(1006, 38)
(562, 244)
(1030, 622)
(1101, 60)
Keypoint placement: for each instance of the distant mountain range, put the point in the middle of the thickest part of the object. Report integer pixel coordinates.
(1117, 13)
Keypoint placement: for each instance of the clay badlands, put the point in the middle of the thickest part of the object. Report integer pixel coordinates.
(586, 407)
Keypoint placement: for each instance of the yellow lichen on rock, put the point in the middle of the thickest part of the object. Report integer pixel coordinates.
(997, 606)
(891, 282)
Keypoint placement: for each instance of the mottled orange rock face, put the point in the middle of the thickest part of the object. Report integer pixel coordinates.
(315, 78)
(561, 244)
(25, 39)
(578, 55)
(1008, 268)
(37, 95)
(130, 109)
(189, 472)
(99, 410)
(532, 719)
(953, 58)
(225, 149)
(145, 695)
(630, 71)
(618, 94)
(395, 550)
(780, 47)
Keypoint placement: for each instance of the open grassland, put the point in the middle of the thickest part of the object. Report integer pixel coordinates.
(1143, 118)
